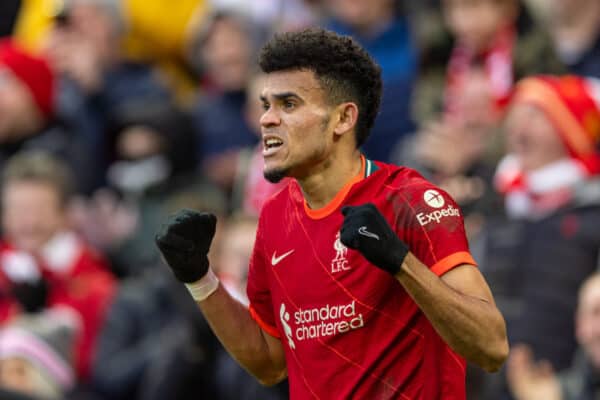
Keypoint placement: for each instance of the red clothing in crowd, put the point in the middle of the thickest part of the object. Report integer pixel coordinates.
(76, 276)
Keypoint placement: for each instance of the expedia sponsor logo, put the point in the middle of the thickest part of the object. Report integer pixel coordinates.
(433, 198)
(437, 215)
(320, 322)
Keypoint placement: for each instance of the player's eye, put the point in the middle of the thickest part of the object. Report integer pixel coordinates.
(288, 105)
(265, 106)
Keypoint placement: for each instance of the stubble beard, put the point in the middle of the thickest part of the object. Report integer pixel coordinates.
(276, 175)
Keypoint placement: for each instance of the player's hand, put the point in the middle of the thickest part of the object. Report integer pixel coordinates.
(184, 241)
(366, 230)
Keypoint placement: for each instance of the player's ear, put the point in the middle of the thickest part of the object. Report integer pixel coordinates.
(347, 115)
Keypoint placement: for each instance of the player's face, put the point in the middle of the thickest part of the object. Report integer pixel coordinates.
(295, 127)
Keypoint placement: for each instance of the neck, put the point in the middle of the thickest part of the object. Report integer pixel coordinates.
(320, 188)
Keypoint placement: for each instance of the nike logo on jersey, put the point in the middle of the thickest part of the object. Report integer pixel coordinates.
(363, 231)
(277, 259)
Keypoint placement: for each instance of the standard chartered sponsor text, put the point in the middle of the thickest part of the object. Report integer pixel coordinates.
(328, 320)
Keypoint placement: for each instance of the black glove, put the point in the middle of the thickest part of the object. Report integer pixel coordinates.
(184, 241)
(31, 296)
(366, 230)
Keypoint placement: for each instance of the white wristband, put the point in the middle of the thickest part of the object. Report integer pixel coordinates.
(204, 286)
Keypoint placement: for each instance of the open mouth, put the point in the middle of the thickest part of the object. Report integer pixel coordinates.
(271, 145)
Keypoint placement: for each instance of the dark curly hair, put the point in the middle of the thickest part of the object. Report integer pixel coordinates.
(343, 68)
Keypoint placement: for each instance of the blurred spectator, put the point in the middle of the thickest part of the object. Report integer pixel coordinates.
(36, 354)
(234, 256)
(532, 380)
(498, 37)
(43, 264)
(574, 26)
(28, 90)
(155, 344)
(27, 113)
(158, 33)
(226, 47)
(536, 259)
(155, 144)
(383, 29)
(280, 15)
(460, 100)
(153, 172)
(84, 47)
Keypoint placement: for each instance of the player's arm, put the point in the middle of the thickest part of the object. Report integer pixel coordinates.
(459, 305)
(258, 352)
(184, 241)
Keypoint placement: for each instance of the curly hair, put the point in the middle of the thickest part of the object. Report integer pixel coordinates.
(345, 71)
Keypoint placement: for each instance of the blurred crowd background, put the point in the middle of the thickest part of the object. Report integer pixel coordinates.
(115, 113)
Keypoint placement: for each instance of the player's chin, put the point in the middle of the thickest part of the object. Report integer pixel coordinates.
(274, 174)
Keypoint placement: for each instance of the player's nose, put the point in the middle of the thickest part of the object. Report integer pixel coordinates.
(270, 118)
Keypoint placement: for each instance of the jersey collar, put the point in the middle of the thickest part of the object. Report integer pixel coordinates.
(366, 169)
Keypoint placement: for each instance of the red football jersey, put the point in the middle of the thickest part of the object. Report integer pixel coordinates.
(349, 329)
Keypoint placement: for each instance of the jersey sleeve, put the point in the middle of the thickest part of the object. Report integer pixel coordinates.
(258, 290)
(430, 222)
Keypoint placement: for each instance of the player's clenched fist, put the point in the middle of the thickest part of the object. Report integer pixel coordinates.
(184, 241)
(366, 230)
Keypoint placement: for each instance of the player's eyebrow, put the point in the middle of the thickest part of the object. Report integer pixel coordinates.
(281, 96)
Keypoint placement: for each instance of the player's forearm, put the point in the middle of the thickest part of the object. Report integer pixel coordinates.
(472, 326)
(242, 337)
